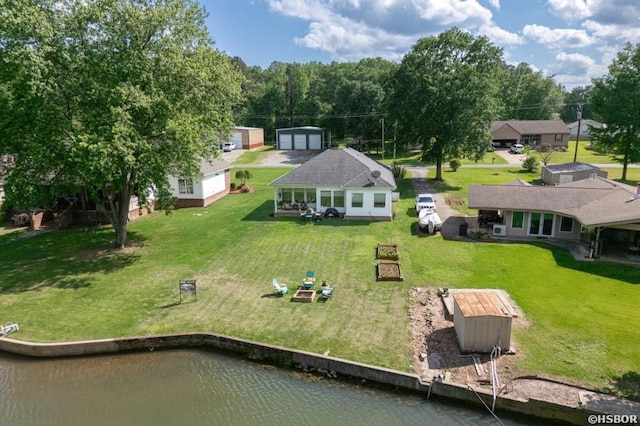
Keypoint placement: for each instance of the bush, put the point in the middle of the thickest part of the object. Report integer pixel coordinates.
(455, 164)
(530, 163)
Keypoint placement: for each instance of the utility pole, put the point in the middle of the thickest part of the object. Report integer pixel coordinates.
(395, 134)
(382, 123)
(575, 154)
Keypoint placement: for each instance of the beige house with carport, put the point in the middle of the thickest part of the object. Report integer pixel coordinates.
(596, 211)
(530, 133)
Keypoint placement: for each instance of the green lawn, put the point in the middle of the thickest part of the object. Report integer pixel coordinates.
(69, 285)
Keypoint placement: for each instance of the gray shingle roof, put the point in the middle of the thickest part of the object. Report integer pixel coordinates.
(533, 127)
(593, 202)
(343, 167)
(213, 166)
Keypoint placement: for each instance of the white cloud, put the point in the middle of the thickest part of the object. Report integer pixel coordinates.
(352, 29)
(613, 32)
(570, 10)
(500, 36)
(557, 38)
(494, 3)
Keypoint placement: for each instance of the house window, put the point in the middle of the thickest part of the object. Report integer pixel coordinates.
(379, 200)
(298, 195)
(566, 224)
(559, 138)
(185, 186)
(338, 198)
(356, 199)
(517, 220)
(325, 198)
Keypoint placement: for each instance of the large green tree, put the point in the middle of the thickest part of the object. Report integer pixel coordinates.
(529, 95)
(111, 95)
(615, 98)
(445, 96)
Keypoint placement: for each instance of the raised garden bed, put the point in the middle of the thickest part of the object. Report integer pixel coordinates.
(304, 296)
(389, 271)
(387, 252)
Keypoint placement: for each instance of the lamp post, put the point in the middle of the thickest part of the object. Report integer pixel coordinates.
(575, 154)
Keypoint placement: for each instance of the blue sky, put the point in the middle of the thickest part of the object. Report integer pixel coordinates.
(572, 40)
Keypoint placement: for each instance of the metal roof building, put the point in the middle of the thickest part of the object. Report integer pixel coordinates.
(481, 321)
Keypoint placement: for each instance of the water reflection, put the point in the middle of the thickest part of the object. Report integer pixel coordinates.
(202, 388)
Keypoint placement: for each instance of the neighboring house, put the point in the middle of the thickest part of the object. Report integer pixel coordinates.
(341, 178)
(585, 128)
(557, 174)
(530, 133)
(248, 137)
(213, 183)
(301, 138)
(599, 209)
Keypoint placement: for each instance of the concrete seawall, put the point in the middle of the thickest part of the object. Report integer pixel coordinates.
(289, 357)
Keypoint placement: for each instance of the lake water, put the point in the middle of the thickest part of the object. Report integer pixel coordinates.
(193, 387)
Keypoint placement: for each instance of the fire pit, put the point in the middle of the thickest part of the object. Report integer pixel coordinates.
(304, 296)
(389, 272)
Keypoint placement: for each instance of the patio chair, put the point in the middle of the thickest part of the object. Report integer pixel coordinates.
(309, 280)
(327, 292)
(280, 289)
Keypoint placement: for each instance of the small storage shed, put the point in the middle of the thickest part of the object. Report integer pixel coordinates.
(300, 138)
(557, 174)
(248, 137)
(481, 321)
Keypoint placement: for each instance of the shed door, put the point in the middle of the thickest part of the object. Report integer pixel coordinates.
(284, 141)
(315, 142)
(299, 141)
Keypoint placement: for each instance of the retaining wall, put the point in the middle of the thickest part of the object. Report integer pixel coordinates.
(288, 357)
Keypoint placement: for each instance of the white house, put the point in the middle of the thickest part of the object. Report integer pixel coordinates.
(585, 128)
(342, 179)
(212, 184)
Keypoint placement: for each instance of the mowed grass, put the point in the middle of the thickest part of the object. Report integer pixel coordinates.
(70, 285)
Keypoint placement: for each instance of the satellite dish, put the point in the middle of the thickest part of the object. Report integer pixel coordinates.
(375, 174)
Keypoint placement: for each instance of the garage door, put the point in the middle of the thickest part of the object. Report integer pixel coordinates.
(237, 139)
(299, 141)
(284, 142)
(315, 142)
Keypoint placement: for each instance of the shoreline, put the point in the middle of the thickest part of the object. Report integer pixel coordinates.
(336, 368)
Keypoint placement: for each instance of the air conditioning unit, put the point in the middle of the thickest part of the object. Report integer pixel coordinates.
(500, 230)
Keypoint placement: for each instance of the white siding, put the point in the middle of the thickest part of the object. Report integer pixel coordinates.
(367, 209)
(212, 184)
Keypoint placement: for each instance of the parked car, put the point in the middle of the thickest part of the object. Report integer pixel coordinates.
(425, 201)
(516, 148)
(228, 146)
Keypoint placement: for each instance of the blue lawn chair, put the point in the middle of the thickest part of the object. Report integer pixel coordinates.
(309, 280)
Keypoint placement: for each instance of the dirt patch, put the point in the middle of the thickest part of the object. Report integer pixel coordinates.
(436, 354)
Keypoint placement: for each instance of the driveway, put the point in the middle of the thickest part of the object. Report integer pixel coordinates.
(512, 159)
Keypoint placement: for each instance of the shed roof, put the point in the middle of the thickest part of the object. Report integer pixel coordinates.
(533, 127)
(300, 128)
(481, 305)
(247, 128)
(342, 167)
(570, 167)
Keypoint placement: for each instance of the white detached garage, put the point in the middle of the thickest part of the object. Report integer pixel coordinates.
(300, 138)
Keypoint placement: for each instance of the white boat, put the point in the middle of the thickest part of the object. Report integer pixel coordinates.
(428, 220)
